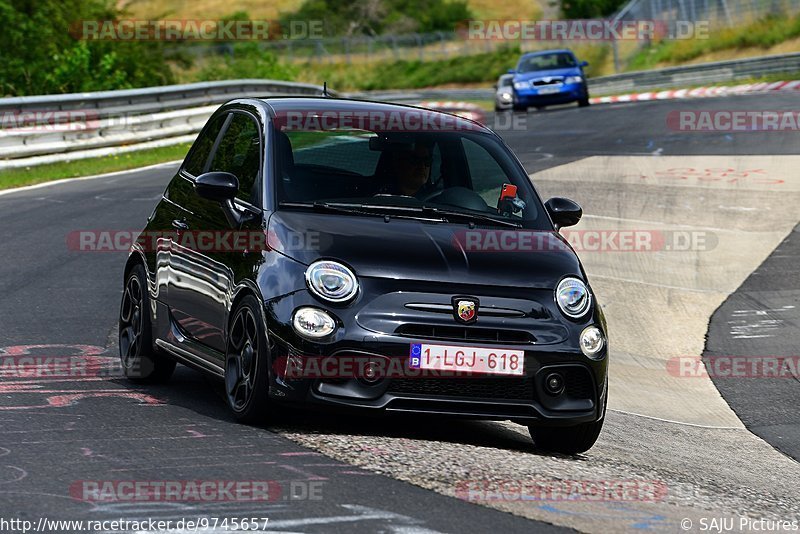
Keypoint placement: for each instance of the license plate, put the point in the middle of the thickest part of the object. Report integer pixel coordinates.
(549, 90)
(467, 359)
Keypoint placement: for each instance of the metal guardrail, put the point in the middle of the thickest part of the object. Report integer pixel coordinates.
(155, 116)
(142, 118)
(704, 73)
(667, 78)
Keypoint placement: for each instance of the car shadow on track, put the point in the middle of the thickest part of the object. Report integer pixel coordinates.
(193, 391)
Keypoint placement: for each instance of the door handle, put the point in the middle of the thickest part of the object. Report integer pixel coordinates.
(180, 224)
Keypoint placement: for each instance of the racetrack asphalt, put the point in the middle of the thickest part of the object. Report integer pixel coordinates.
(109, 429)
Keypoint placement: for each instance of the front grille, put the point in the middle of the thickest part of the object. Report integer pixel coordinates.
(462, 333)
(505, 388)
(552, 81)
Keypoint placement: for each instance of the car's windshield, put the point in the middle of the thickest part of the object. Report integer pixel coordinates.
(465, 173)
(555, 60)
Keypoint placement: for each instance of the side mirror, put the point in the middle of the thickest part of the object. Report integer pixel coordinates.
(584, 64)
(217, 186)
(563, 211)
(495, 87)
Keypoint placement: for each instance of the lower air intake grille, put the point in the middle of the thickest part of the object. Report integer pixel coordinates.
(461, 333)
(505, 388)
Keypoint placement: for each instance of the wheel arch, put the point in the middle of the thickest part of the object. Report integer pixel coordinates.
(247, 287)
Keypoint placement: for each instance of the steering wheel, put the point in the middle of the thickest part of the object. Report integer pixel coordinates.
(461, 197)
(430, 194)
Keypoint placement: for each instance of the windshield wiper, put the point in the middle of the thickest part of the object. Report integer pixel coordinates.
(471, 217)
(447, 214)
(326, 206)
(430, 212)
(357, 209)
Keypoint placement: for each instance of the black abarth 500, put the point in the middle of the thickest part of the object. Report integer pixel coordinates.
(360, 255)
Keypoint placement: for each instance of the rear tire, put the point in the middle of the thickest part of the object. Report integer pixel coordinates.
(141, 362)
(247, 364)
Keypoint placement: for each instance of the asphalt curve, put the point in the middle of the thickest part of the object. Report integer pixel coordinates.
(58, 434)
(762, 319)
(57, 301)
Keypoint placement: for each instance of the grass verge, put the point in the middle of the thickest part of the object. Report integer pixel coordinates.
(762, 35)
(405, 74)
(90, 166)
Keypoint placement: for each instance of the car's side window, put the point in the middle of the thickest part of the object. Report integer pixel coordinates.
(239, 152)
(198, 157)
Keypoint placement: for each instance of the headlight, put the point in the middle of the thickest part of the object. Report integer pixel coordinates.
(331, 281)
(313, 323)
(573, 297)
(573, 79)
(592, 342)
(521, 85)
(505, 96)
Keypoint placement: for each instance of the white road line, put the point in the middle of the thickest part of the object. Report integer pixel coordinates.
(662, 223)
(82, 178)
(710, 427)
(665, 286)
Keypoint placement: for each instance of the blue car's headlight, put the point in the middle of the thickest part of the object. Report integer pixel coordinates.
(573, 297)
(521, 85)
(331, 281)
(573, 79)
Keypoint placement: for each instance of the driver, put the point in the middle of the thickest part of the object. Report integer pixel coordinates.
(410, 170)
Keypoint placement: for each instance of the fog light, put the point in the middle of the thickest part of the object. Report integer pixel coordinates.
(313, 323)
(371, 373)
(554, 383)
(592, 342)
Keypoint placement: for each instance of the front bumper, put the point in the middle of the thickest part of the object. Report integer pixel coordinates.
(519, 398)
(541, 95)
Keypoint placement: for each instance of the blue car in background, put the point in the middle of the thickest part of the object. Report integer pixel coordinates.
(548, 78)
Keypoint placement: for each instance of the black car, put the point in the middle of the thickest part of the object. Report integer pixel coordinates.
(360, 255)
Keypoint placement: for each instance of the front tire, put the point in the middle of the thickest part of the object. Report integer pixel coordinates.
(584, 102)
(140, 361)
(247, 363)
(566, 440)
(570, 439)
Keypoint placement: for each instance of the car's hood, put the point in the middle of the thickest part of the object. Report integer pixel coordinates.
(535, 75)
(434, 252)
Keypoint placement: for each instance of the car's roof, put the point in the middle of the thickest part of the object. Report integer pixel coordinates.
(553, 51)
(283, 104)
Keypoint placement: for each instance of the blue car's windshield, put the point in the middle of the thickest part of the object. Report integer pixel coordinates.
(555, 60)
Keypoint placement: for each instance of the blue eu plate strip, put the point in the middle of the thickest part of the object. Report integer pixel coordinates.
(415, 357)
